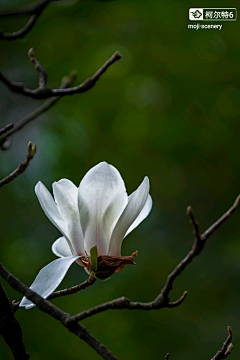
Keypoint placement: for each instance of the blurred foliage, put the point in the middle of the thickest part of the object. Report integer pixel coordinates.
(170, 110)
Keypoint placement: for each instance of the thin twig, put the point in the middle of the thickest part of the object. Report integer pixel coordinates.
(6, 129)
(35, 10)
(193, 221)
(162, 300)
(56, 313)
(221, 220)
(46, 92)
(27, 10)
(42, 75)
(21, 167)
(90, 281)
(10, 328)
(198, 245)
(226, 348)
(167, 356)
(66, 82)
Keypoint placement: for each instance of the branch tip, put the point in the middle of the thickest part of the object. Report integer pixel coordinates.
(237, 201)
(42, 75)
(29, 147)
(32, 149)
(230, 332)
(22, 166)
(73, 74)
(31, 53)
(229, 349)
(167, 356)
(69, 79)
(118, 55)
(190, 214)
(179, 301)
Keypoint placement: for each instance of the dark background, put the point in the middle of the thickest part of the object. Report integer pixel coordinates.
(169, 110)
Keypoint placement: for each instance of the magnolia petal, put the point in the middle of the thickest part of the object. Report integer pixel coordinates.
(143, 214)
(66, 197)
(49, 278)
(101, 199)
(61, 248)
(50, 208)
(136, 202)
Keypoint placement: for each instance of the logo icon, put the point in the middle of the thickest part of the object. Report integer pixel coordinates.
(196, 14)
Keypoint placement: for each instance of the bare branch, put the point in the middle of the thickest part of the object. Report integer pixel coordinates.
(28, 10)
(10, 328)
(221, 220)
(226, 348)
(66, 82)
(44, 92)
(6, 129)
(41, 73)
(56, 313)
(34, 10)
(193, 221)
(21, 167)
(162, 300)
(198, 245)
(179, 301)
(90, 281)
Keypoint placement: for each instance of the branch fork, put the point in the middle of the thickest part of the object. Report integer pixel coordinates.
(22, 166)
(44, 92)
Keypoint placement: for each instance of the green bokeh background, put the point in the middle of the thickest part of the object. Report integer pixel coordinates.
(170, 110)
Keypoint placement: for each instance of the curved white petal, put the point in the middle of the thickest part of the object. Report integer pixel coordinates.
(49, 207)
(101, 200)
(61, 248)
(143, 214)
(137, 201)
(66, 198)
(49, 278)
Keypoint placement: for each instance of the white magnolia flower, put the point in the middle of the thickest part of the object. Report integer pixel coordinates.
(98, 213)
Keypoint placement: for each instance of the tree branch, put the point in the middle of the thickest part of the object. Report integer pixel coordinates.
(226, 348)
(221, 220)
(6, 129)
(42, 75)
(90, 281)
(44, 92)
(56, 313)
(22, 166)
(34, 10)
(10, 328)
(162, 300)
(27, 10)
(66, 82)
